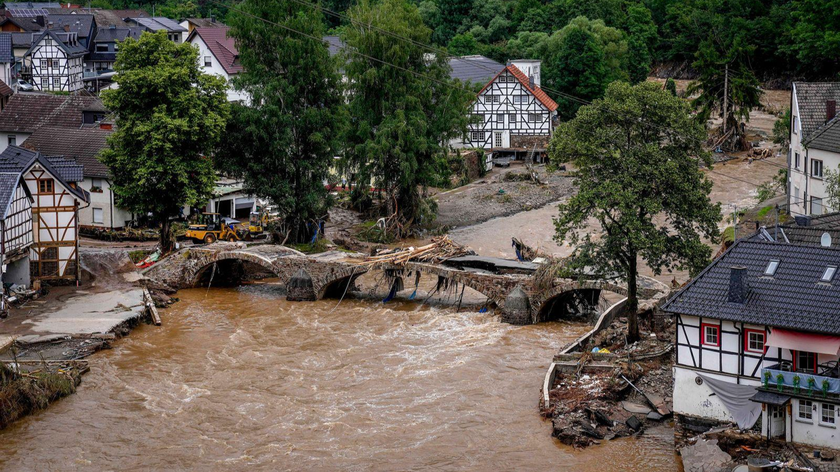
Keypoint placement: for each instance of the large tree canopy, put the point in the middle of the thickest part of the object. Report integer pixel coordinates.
(637, 153)
(169, 117)
(403, 113)
(284, 143)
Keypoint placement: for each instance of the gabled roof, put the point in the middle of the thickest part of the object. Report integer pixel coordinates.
(537, 92)
(793, 298)
(205, 23)
(24, 23)
(79, 23)
(82, 145)
(475, 69)
(158, 23)
(826, 138)
(812, 97)
(26, 112)
(64, 41)
(15, 159)
(222, 46)
(9, 182)
(21, 40)
(110, 34)
(115, 17)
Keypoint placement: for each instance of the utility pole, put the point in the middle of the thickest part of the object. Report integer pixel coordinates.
(725, 96)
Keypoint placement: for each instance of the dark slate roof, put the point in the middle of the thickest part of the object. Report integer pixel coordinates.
(793, 298)
(475, 69)
(158, 23)
(25, 23)
(826, 138)
(6, 54)
(8, 185)
(811, 97)
(21, 40)
(81, 24)
(19, 160)
(115, 17)
(65, 41)
(110, 34)
(26, 112)
(82, 145)
(828, 220)
(799, 235)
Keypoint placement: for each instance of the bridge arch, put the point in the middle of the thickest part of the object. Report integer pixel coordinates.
(202, 265)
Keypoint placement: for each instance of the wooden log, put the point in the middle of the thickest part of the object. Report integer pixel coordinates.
(150, 305)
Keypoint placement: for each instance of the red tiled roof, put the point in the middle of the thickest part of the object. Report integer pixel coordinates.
(537, 92)
(221, 46)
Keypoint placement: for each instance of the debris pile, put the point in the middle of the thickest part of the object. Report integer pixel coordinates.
(29, 387)
(440, 249)
(611, 390)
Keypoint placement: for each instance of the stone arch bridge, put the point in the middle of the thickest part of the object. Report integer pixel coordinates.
(313, 277)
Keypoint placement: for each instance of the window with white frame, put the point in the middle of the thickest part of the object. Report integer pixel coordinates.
(755, 341)
(535, 117)
(816, 206)
(207, 61)
(827, 414)
(12, 140)
(45, 83)
(500, 119)
(492, 99)
(711, 335)
(828, 275)
(97, 216)
(816, 168)
(796, 160)
(772, 266)
(57, 82)
(497, 141)
(512, 119)
(477, 136)
(806, 411)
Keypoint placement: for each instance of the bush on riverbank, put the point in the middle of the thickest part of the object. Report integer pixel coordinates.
(22, 393)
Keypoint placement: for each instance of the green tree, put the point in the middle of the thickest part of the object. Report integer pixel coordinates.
(169, 116)
(401, 117)
(576, 66)
(671, 86)
(636, 152)
(289, 135)
(463, 45)
(453, 13)
(832, 189)
(641, 41)
(814, 37)
(781, 129)
(528, 44)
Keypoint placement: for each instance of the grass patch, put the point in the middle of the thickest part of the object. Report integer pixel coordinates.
(319, 246)
(728, 235)
(25, 393)
(764, 211)
(138, 255)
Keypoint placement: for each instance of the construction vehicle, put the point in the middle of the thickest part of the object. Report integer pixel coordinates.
(215, 227)
(257, 222)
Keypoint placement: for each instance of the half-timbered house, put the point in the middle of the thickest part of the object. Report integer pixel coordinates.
(56, 198)
(16, 235)
(55, 62)
(512, 115)
(758, 338)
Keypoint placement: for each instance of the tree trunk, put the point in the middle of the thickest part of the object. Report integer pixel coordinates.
(632, 307)
(165, 237)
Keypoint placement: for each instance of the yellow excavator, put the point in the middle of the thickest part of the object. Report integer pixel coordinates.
(215, 227)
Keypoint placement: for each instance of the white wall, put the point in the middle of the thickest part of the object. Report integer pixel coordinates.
(813, 433)
(217, 69)
(102, 200)
(697, 400)
(4, 139)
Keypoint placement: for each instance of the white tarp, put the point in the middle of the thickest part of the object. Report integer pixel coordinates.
(736, 398)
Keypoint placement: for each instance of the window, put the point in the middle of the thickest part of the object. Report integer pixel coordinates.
(492, 99)
(806, 410)
(207, 61)
(97, 216)
(12, 140)
(796, 195)
(500, 119)
(816, 168)
(804, 361)
(828, 275)
(796, 160)
(498, 140)
(754, 341)
(795, 124)
(710, 335)
(96, 185)
(512, 119)
(45, 83)
(101, 48)
(827, 414)
(57, 82)
(52, 63)
(45, 186)
(816, 206)
(771, 267)
(535, 117)
(477, 136)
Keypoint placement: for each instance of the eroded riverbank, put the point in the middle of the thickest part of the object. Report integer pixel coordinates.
(240, 378)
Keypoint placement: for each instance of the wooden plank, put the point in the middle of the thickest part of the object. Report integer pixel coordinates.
(150, 305)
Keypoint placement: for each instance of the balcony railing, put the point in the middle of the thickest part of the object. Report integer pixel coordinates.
(775, 378)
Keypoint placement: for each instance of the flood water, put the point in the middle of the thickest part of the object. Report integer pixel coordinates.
(240, 379)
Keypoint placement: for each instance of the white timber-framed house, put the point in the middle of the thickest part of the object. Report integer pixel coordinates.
(512, 116)
(758, 342)
(16, 236)
(56, 199)
(55, 62)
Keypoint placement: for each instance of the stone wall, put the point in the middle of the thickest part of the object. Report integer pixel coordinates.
(528, 141)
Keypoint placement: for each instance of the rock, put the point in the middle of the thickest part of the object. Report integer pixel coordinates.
(703, 457)
(636, 407)
(587, 430)
(654, 416)
(633, 423)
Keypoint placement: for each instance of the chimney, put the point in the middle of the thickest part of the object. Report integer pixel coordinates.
(830, 110)
(212, 19)
(531, 81)
(739, 284)
(39, 20)
(104, 125)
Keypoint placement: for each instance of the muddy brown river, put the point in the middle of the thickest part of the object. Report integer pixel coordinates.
(240, 379)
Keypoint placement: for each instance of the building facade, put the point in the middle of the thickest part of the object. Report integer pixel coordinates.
(55, 62)
(512, 115)
(217, 55)
(814, 146)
